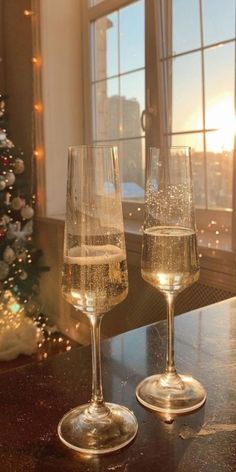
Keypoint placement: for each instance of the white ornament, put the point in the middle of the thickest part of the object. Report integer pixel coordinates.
(10, 179)
(27, 212)
(2, 183)
(5, 220)
(19, 166)
(4, 270)
(9, 255)
(15, 232)
(17, 203)
(3, 135)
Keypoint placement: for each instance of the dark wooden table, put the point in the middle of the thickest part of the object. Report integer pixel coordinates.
(33, 399)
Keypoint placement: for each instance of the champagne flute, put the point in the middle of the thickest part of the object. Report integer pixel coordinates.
(95, 280)
(170, 263)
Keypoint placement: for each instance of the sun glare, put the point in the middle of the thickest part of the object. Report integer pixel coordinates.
(221, 116)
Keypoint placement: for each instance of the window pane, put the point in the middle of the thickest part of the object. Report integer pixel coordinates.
(132, 167)
(218, 20)
(187, 93)
(219, 173)
(106, 109)
(105, 47)
(132, 162)
(132, 103)
(195, 141)
(186, 25)
(132, 39)
(219, 92)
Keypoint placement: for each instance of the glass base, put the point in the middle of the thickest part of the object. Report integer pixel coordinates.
(98, 433)
(171, 393)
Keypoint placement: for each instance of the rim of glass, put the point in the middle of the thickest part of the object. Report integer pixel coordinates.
(86, 146)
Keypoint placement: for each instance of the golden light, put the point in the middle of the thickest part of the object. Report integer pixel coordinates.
(38, 107)
(37, 61)
(28, 12)
(221, 116)
(38, 153)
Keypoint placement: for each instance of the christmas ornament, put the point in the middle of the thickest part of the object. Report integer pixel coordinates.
(7, 198)
(14, 231)
(4, 142)
(21, 254)
(2, 233)
(4, 270)
(5, 220)
(2, 106)
(17, 203)
(27, 212)
(10, 179)
(2, 182)
(19, 166)
(23, 275)
(9, 255)
(5, 161)
(3, 135)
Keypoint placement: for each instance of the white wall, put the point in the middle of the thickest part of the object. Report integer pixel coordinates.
(62, 92)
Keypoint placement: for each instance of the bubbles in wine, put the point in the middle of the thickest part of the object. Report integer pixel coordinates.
(95, 277)
(169, 257)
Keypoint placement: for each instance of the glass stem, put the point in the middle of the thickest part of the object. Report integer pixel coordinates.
(170, 361)
(97, 401)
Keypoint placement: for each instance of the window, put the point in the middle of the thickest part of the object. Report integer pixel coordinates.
(147, 54)
(118, 91)
(201, 65)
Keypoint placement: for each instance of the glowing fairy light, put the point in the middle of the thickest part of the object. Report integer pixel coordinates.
(28, 13)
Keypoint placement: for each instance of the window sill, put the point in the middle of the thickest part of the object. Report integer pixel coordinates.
(217, 266)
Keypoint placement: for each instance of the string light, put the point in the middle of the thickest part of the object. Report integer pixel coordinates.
(38, 153)
(28, 13)
(38, 107)
(37, 61)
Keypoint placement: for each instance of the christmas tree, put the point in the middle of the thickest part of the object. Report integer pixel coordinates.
(19, 259)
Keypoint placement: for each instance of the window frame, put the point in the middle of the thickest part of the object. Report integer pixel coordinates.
(134, 211)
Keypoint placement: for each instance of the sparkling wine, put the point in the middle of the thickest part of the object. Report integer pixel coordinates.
(95, 278)
(170, 259)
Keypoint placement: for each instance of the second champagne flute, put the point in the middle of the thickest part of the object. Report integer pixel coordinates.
(170, 263)
(95, 280)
